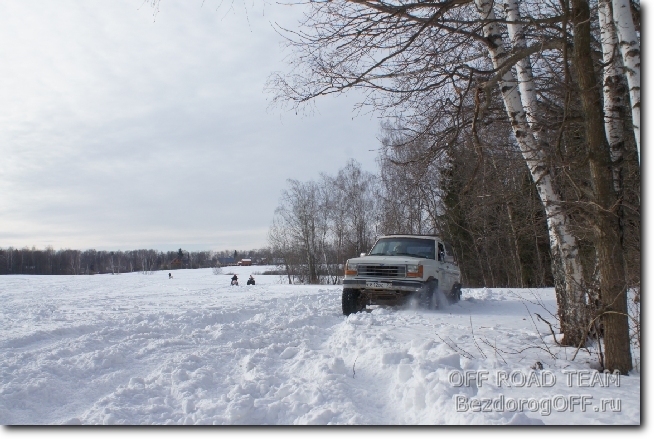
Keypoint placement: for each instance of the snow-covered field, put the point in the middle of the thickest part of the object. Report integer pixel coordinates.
(143, 349)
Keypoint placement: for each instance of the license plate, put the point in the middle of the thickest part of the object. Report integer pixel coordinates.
(378, 285)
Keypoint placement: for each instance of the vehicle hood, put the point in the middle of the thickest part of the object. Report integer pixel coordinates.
(387, 260)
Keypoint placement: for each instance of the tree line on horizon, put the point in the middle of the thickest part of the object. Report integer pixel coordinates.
(86, 262)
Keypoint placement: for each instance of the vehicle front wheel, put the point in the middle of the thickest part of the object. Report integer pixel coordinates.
(455, 294)
(432, 294)
(350, 301)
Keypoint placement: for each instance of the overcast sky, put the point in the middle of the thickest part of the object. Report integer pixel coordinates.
(122, 131)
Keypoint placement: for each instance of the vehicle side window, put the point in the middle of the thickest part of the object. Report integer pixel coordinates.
(441, 252)
(450, 252)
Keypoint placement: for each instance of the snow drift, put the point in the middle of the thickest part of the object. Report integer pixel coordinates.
(142, 349)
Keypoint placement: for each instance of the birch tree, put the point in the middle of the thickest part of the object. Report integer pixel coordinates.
(525, 77)
(630, 49)
(355, 191)
(567, 268)
(298, 213)
(281, 245)
(320, 224)
(612, 91)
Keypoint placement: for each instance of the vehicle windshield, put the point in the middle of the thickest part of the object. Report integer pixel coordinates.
(414, 247)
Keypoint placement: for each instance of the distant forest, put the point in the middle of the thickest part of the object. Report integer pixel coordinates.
(50, 261)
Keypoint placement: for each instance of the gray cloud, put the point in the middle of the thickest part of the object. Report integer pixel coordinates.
(121, 132)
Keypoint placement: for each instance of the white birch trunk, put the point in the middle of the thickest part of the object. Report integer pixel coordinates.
(523, 67)
(563, 244)
(630, 50)
(613, 102)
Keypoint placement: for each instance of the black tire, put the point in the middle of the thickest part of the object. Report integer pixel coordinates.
(423, 297)
(350, 301)
(455, 294)
(432, 294)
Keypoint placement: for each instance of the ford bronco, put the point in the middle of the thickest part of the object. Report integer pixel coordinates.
(401, 267)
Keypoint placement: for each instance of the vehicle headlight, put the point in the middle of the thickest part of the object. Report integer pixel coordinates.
(414, 270)
(350, 269)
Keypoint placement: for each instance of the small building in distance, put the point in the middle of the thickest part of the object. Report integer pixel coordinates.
(245, 262)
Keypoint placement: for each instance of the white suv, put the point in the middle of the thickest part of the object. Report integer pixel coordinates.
(400, 267)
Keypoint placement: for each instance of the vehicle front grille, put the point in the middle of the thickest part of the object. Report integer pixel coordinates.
(381, 270)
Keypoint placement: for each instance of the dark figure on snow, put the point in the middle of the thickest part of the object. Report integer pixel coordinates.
(170, 275)
(234, 280)
(251, 280)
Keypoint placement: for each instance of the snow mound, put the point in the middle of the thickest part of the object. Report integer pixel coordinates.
(145, 350)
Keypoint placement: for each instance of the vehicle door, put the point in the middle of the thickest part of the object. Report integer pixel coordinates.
(448, 264)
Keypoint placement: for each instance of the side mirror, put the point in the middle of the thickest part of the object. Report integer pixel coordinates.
(449, 258)
(362, 255)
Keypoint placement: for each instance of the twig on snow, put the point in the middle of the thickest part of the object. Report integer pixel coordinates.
(474, 339)
(551, 329)
(495, 349)
(457, 349)
(538, 332)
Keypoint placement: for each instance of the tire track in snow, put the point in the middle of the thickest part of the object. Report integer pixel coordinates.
(234, 375)
(132, 349)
